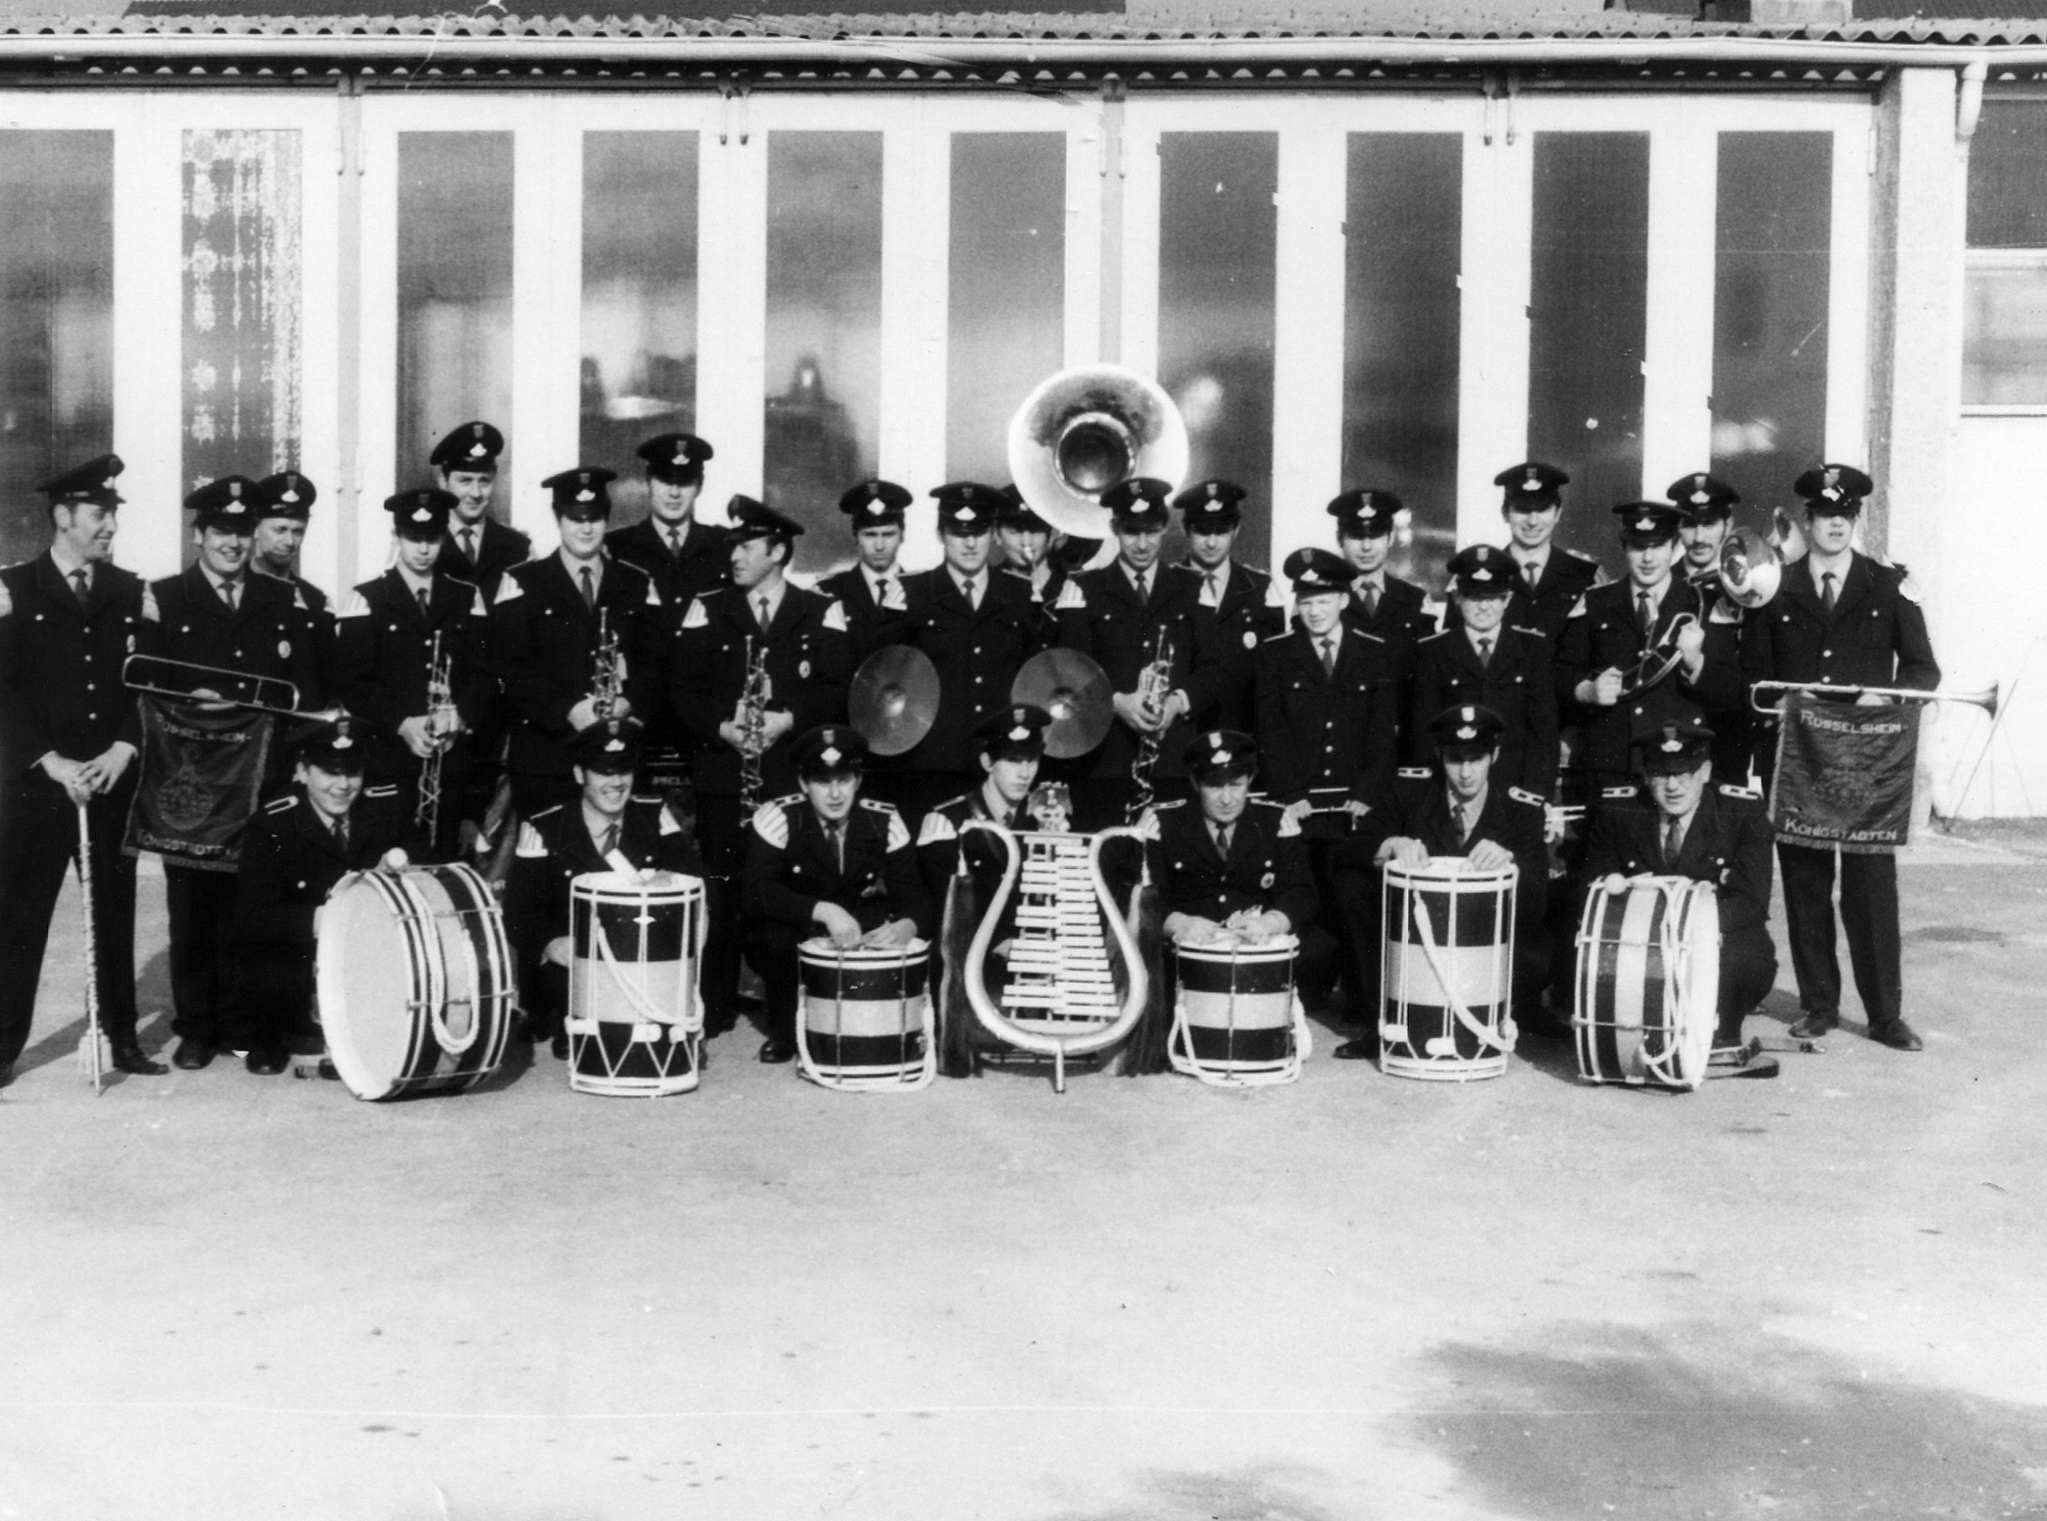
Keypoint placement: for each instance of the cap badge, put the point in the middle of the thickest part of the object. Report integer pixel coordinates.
(1221, 757)
(422, 514)
(1481, 574)
(1644, 524)
(586, 495)
(477, 451)
(1466, 731)
(342, 742)
(1533, 482)
(287, 496)
(613, 745)
(965, 514)
(830, 755)
(1019, 734)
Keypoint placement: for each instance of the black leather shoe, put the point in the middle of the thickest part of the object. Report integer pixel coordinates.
(194, 1053)
(1898, 1035)
(266, 1061)
(1816, 1023)
(130, 1057)
(776, 1051)
(1364, 1049)
(560, 1047)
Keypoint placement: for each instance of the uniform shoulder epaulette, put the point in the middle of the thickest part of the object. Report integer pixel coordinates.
(531, 845)
(281, 804)
(1441, 633)
(1523, 795)
(1178, 802)
(547, 813)
(698, 615)
(1375, 638)
(1612, 793)
(513, 586)
(835, 616)
(898, 831)
(1533, 633)
(877, 805)
(1728, 789)
(938, 827)
(386, 790)
(1071, 596)
(646, 800)
(1414, 773)
(1283, 634)
(1578, 607)
(1579, 554)
(1723, 611)
(357, 605)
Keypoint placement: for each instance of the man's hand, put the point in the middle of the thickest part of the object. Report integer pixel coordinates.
(583, 714)
(1256, 926)
(1134, 713)
(209, 700)
(894, 933)
(1192, 929)
(779, 722)
(1356, 809)
(1298, 811)
(1490, 855)
(1403, 850)
(1603, 690)
(1178, 704)
(417, 732)
(107, 768)
(1870, 700)
(70, 775)
(732, 734)
(840, 927)
(559, 951)
(1691, 644)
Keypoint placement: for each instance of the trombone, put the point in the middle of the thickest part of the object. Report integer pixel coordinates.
(1985, 698)
(188, 681)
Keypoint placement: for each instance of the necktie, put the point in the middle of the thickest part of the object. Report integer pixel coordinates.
(1222, 840)
(589, 587)
(1827, 591)
(1328, 656)
(1645, 613)
(674, 544)
(762, 613)
(609, 843)
(341, 832)
(1465, 819)
(1370, 599)
(1215, 590)
(82, 584)
(468, 537)
(1143, 580)
(425, 600)
(835, 835)
(1530, 573)
(1485, 650)
(1673, 840)
(970, 588)
(230, 593)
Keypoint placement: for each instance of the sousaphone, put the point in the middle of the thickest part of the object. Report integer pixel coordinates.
(1082, 431)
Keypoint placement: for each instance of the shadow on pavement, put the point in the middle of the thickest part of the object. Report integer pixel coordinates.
(1257, 1495)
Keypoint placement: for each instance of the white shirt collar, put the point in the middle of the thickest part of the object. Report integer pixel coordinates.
(66, 566)
(576, 567)
(415, 583)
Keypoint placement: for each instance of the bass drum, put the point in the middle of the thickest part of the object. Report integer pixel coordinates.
(1648, 983)
(415, 981)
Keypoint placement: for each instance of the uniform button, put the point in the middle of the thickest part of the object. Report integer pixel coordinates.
(1826, 654)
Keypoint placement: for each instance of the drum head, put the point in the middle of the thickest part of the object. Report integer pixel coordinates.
(369, 973)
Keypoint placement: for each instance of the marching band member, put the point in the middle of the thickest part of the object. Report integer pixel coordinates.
(1842, 619)
(546, 622)
(825, 863)
(69, 735)
(384, 658)
(682, 557)
(1230, 866)
(1010, 746)
(284, 504)
(978, 628)
(217, 614)
(1679, 825)
(795, 642)
(871, 590)
(1327, 696)
(1381, 603)
(1552, 578)
(1239, 608)
(1117, 616)
(296, 848)
(480, 549)
(1708, 504)
(1031, 551)
(1454, 807)
(602, 826)
(1483, 661)
(1610, 630)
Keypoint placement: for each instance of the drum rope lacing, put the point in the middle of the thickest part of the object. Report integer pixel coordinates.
(1464, 1016)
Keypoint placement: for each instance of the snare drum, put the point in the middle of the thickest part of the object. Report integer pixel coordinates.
(635, 1023)
(415, 981)
(1648, 985)
(1446, 977)
(866, 1020)
(1236, 1021)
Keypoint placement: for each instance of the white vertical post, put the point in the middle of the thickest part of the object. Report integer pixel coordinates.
(1848, 278)
(1140, 272)
(547, 313)
(378, 468)
(320, 172)
(1087, 171)
(1307, 413)
(1677, 418)
(1492, 365)
(916, 206)
(732, 307)
(149, 306)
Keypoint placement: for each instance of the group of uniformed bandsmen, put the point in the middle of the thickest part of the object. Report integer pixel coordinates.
(1288, 757)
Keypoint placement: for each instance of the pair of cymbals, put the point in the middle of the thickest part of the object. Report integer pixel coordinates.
(895, 697)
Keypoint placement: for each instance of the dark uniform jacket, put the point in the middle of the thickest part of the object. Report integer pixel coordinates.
(499, 550)
(1727, 843)
(790, 868)
(384, 649)
(1417, 807)
(1331, 741)
(1728, 712)
(977, 651)
(1250, 612)
(1546, 607)
(869, 626)
(1101, 616)
(265, 634)
(705, 562)
(1402, 618)
(316, 623)
(1516, 684)
(1603, 633)
(60, 663)
(1267, 868)
(807, 668)
(1876, 635)
(555, 848)
(943, 835)
(291, 861)
(543, 640)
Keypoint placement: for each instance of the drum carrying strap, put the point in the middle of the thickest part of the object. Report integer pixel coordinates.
(636, 997)
(1501, 1040)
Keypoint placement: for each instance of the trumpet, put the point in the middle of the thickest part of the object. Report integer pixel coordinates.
(753, 727)
(440, 728)
(188, 681)
(1984, 698)
(1153, 688)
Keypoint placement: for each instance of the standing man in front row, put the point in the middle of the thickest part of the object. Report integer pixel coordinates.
(602, 825)
(870, 591)
(1841, 619)
(217, 614)
(284, 507)
(1686, 827)
(480, 549)
(825, 863)
(1551, 577)
(1238, 608)
(1483, 661)
(68, 736)
(794, 641)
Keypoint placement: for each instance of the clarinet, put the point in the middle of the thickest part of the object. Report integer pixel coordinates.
(753, 727)
(1152, 689)
(440, 725)
(605, 685)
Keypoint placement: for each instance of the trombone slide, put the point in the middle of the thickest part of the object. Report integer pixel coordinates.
(183, 680)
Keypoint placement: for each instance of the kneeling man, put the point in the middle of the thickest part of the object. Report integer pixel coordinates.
(605, 828)
(825, 863)
(1680, 825)
(293, 852)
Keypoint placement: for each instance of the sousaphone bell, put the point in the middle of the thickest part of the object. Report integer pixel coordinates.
(1083, 430)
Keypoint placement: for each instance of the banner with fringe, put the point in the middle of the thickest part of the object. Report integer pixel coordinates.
(1844, 774)
(200, 776)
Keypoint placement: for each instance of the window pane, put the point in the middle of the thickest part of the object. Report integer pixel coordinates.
(1773, 226)
(2008, 176)
(639, 301)
(1589, 290)
(56, 318)
(1218, 274)
(2004, 335)
(823, 329)
(1006, 300)
(1404, 228)
(454, 291)
(242, 380)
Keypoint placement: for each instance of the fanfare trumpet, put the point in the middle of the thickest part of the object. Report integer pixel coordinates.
(1984, 698)
(188, 681)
